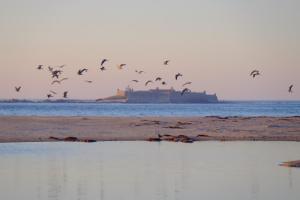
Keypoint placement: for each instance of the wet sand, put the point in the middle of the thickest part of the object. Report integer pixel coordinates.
(33, 129)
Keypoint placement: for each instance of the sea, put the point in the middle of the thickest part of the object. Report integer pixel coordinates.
(147, 171)
(226, 108)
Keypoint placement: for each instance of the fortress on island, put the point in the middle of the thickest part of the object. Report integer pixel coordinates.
(160, 96)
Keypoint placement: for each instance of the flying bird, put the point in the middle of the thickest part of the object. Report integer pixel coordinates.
(148, 82)
(59, 81)
(186, 83)
(18, 89)
(56, 73)
(121, 66)
(103, 61)
(40, 67)
(290, 88)
(254, 73)
(80, 72)
(177, 75)
(185, 90)
(139, 72)
(158, 79)
(166, 62)
(66, 94)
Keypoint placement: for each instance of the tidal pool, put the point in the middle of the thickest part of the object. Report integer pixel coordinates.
(149, 171)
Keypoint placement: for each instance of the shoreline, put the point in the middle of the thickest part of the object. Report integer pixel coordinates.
(212, 128)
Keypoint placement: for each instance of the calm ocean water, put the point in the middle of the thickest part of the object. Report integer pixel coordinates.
(235, 108)
(147, 171)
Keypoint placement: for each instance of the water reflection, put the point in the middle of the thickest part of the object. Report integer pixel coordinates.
(141, 170)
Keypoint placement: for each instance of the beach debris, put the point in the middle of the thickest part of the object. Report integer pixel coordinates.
(171, 138)
(184, 123)
(72, 139)
(295, 163)
(174, 127)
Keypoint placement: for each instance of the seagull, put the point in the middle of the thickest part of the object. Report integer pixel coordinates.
(103, 61)
(121, 66)
(18, 89)
(59, 81)
(139, 72)
(290, 88)
(135, 81)
(185, 90)
(254, 73)
(88, 81)
(158, 79)
(81, 71)
(56, 73)
(52, 92)
(102, 68)
(40, 67)
(166, 62)
(186, 83)
(148, 82)
(177, 75)
(66, 94)
(49, 96)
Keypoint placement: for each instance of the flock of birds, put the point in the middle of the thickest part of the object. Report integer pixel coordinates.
(57, 72)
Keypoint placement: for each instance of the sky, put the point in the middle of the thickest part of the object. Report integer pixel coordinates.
(215, 44)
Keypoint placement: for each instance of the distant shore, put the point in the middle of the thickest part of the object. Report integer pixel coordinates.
(34, 129)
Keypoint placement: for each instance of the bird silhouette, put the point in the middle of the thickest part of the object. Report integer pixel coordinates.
(121, 66)
(254, 73)
(186, 83)
(39, 67)
(56, 73)
(166, 62)
(148, 82)
(184, 91)
(18, 89)
(158, 79)
(80, 72)
(290, 88)
(177, 75)
(102, 68)
(59, 81)
(135, 81)
(65, 94)
(103, 61)
(139, 72)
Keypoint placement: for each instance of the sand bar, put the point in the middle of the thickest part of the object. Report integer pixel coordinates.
(32, 129)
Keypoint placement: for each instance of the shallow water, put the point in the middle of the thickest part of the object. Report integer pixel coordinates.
(234, 108)
(143, 170)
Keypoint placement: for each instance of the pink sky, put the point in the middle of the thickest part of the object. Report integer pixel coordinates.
(214, 44)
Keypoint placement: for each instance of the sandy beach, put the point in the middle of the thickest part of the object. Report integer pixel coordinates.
(33, 129)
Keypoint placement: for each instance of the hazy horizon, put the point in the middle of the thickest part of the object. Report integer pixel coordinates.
(214, 44)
